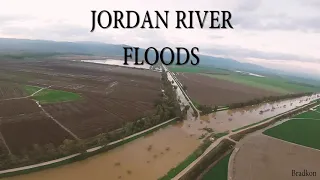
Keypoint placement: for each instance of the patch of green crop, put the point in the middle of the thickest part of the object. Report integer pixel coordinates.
(299, 131)
(54, 96)
(31, 89)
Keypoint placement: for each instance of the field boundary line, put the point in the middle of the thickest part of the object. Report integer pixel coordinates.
(307, 119)
(61, 160)
(292, 143)
(5, 143)
(212, 165)
(231, 163)
(24, 97)
(57, 122)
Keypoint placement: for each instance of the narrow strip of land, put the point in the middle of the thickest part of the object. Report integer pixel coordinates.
(178, 83)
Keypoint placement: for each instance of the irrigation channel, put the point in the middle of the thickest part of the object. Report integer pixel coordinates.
(152, 156)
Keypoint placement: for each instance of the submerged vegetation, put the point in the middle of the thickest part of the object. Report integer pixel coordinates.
(290, 114)
(268, 99)
(205, 109)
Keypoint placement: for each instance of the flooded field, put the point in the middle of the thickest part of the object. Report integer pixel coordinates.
(153, 156)
(146, 158)
(237, 118)
(118, 63)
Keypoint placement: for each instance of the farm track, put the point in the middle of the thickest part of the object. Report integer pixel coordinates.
(5, 143)
(24, 97)
(57, 122)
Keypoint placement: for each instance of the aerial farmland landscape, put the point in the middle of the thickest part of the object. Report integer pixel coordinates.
(194, 90)
(67, 118)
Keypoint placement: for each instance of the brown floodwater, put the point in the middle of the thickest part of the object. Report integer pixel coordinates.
(149, 158)
(236, 118)
(153, 156)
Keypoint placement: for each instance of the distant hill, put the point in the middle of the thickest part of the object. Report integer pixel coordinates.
(42, 46)
(12, 47)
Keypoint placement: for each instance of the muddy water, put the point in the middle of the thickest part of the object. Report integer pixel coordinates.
(146, 158)
(237, 118)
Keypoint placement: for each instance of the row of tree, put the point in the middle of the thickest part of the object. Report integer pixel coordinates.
(287, 115)
(207, 109)
(39, 153)
(268, 99)
(167, 107)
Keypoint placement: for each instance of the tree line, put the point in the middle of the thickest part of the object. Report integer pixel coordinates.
(288, 115)
(166, 107)
(207, 109)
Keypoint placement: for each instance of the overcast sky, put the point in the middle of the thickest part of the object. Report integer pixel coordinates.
(281, 34)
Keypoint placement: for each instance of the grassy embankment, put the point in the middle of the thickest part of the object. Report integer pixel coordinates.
(51, 96)
(216, 154)
(218, 171)
(192, 157)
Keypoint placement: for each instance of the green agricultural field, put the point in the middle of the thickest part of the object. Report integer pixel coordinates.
(309, 114)
(31, 89)
(51, 96)
(219, 171)
(276, 84)
(300, 131)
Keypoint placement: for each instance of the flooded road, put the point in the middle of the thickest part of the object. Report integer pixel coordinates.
(149, 158)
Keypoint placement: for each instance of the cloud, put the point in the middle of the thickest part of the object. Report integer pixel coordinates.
(284, 15)
(248, 5)
(11, 19)
(286, 30)
(278, 22)
(242, 53)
